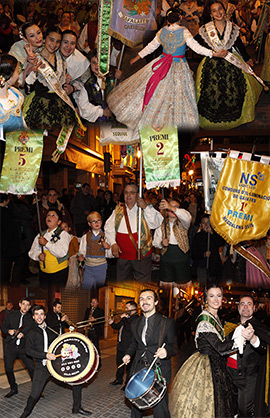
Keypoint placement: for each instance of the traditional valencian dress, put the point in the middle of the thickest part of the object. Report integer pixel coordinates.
(11, 111)
(167, 98)
(226, 95)
(202, 387)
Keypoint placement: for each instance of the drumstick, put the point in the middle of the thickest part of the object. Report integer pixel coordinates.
(121, 365)
(152, 364)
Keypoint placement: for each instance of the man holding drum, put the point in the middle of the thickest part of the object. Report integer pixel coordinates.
(152, 337)
(38, 341)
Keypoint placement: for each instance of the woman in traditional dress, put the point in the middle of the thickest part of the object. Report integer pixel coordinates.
(265, 74)
(11, 99)
(226, 94)
(45, 108)
(202, 387)
(191, 16)
(162, 92)
(32, 37)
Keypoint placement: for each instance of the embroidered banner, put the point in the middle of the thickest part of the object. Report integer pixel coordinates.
(160, 156)
(241, 208)
(22, 161)
(130, 19)
(116, 134)
(212, 164)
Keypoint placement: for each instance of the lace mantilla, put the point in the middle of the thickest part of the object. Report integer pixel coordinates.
(230, 35)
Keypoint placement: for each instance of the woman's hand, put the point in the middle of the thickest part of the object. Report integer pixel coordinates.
(31, 56)
(221, 53)
(250, 62)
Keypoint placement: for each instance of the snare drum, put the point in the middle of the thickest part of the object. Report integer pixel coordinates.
(77, 358)
(145, 394)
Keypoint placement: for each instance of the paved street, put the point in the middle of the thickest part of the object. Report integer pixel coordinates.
(102, 399)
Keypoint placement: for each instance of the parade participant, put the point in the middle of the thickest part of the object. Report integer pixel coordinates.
(87, 39)
(74, 280)
(226, 94)
(92, 251)
(4, 312)
(207, 265)
(46, 107)
(121, 232)
(11, 100)
(81, 205)
(78, 66)
(32, 39)
(16, 326)
(56, 319)
(147, 331)
(94, 332)
(174, 261)
(202, 387)
(54, 260)
(38, 341)
(162, 92)
(244, 368)
(191, 16)
(51, 202)
(123, 339)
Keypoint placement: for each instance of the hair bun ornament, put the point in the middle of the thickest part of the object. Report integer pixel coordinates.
(2, 81)
(170, 11)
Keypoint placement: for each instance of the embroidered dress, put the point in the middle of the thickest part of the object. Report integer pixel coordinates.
(10, 111)
(44, 109)
(226, 95)
(202, 387)
(173, 101)
(265, 74)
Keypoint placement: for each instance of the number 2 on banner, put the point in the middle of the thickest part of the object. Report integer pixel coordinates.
(160, 147)
(22, 160)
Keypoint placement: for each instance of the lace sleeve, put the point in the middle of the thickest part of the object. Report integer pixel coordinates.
(195, 46)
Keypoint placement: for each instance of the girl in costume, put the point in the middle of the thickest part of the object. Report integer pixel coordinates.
(51, 250)
(46, 106)
(202, 387)
(226, 94)
(11, 99)
(162, 92)
(32, 38)
(93, 251)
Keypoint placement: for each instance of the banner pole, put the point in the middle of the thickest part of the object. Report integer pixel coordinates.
(119, 63)
(39, 225)
(164, 214)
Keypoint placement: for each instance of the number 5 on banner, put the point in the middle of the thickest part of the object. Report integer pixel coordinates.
(22, 160)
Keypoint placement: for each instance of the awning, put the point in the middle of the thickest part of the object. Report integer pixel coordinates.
(85, 161)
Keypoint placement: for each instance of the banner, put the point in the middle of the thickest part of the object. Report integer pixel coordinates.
(104, 40)
(128, 159)
(241, 208)
(22, 161)
(130, 19)
(212, 163)
(116, 134)
(160, 156)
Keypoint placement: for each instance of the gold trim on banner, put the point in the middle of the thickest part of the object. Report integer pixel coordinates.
(251, 258)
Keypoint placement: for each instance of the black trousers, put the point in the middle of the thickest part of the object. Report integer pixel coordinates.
(11, 353)
(92, 335)
(161, 410)
(244, 391)
(41, 375)
(120, 372)
(139, 270)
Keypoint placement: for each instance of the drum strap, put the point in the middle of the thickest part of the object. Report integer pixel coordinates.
(162, 331)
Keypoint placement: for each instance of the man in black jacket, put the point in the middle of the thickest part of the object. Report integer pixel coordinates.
(16, 326)
(123, 340)
(243, 368)
(149, 333)
(38, 341)
(55, 319)
(95, 331)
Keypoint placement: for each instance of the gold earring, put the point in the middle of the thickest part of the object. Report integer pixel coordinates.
(206, 305)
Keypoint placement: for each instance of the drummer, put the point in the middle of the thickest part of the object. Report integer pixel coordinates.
(37, 343)
(149, 333)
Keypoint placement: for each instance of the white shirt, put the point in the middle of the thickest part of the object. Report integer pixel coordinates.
(59, 248)
(152, 217)
(184, 217)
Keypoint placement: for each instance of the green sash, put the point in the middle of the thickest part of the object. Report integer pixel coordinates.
(207, 318)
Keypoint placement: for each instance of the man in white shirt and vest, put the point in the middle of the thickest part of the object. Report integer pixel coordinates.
(121, 232)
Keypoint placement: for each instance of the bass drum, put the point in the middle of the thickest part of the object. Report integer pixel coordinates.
(148, 393)
(76, 360)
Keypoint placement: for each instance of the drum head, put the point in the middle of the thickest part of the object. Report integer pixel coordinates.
(75, 357)
(136, 387)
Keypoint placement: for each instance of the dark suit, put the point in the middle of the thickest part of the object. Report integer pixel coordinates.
(248, 364)
(15, 348)
(35, 349)
(123, 341)
(96, 331)
(144, 354)
(55, 323)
